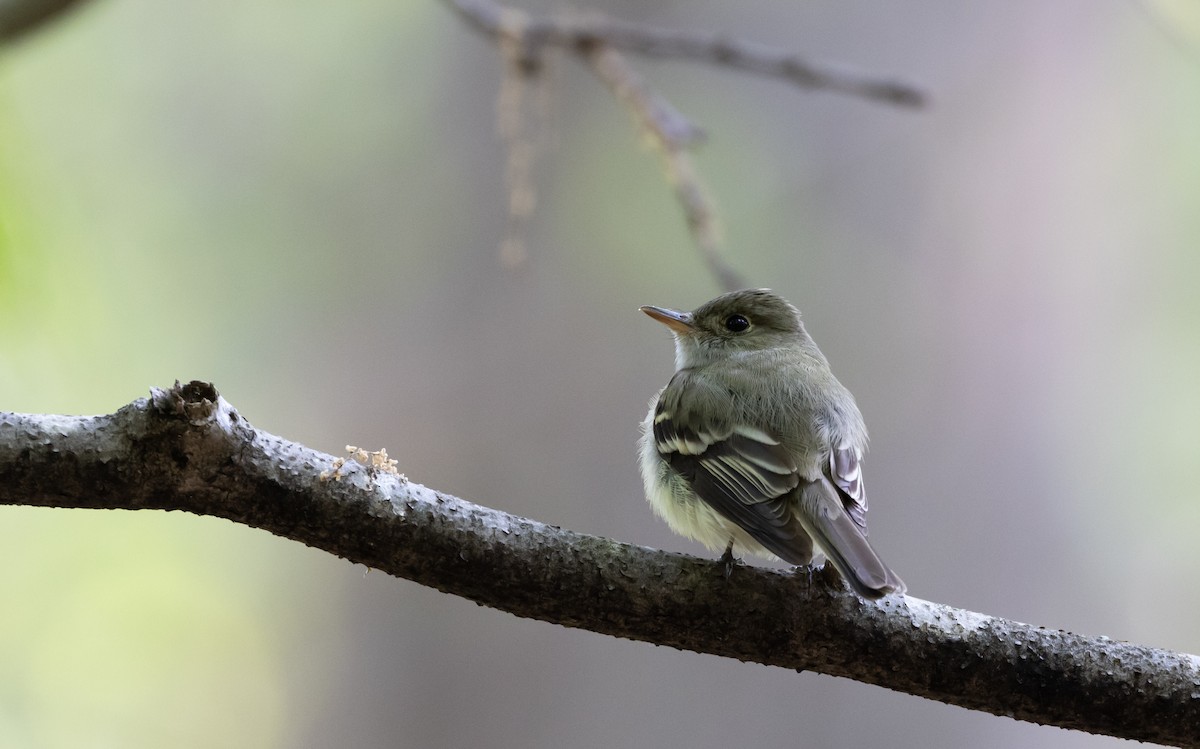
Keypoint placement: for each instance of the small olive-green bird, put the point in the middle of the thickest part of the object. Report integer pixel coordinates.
(755, 447)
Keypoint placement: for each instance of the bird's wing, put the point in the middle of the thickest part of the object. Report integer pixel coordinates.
(845, 470)
(740, 471)
(749, 477)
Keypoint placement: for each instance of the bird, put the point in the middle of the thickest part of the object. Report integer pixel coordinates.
(755, 447)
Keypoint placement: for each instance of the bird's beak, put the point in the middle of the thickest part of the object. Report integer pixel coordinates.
(679, 322)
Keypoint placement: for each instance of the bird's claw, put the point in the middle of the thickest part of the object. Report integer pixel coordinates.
(728, 560)
(808, 571)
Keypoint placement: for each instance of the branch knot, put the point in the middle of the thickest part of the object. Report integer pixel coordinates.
(195, 401)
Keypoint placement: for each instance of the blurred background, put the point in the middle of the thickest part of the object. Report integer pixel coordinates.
(302, 203)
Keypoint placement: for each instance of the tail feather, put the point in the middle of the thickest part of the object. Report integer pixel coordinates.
(844, 542)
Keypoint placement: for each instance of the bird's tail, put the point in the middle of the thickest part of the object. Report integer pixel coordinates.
(844, 542)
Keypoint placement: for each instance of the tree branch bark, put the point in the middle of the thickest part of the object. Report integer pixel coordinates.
(185, 448)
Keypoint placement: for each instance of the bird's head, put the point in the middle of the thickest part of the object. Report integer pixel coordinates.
(737, 322)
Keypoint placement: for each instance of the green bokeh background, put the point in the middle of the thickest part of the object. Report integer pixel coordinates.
(302, 203)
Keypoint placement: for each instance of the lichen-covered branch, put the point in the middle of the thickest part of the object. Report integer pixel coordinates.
(185, 448)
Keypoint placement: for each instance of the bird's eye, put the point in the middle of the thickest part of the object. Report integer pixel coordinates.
(736, 323)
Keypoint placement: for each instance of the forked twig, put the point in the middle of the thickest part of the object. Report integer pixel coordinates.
(524, 40)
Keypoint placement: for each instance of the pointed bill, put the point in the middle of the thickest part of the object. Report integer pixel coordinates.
(679, 322)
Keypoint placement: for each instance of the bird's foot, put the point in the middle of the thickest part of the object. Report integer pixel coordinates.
(728, 559)
(808, 570)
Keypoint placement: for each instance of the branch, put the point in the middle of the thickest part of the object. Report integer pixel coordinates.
(671, 135)
(715, 49)
(524, 39)
(20, 16)
(187, 449)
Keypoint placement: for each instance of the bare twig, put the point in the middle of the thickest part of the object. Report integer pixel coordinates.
(522, 73)
(524, 39)
(185, 448)
(671, 134)
(489, 17)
